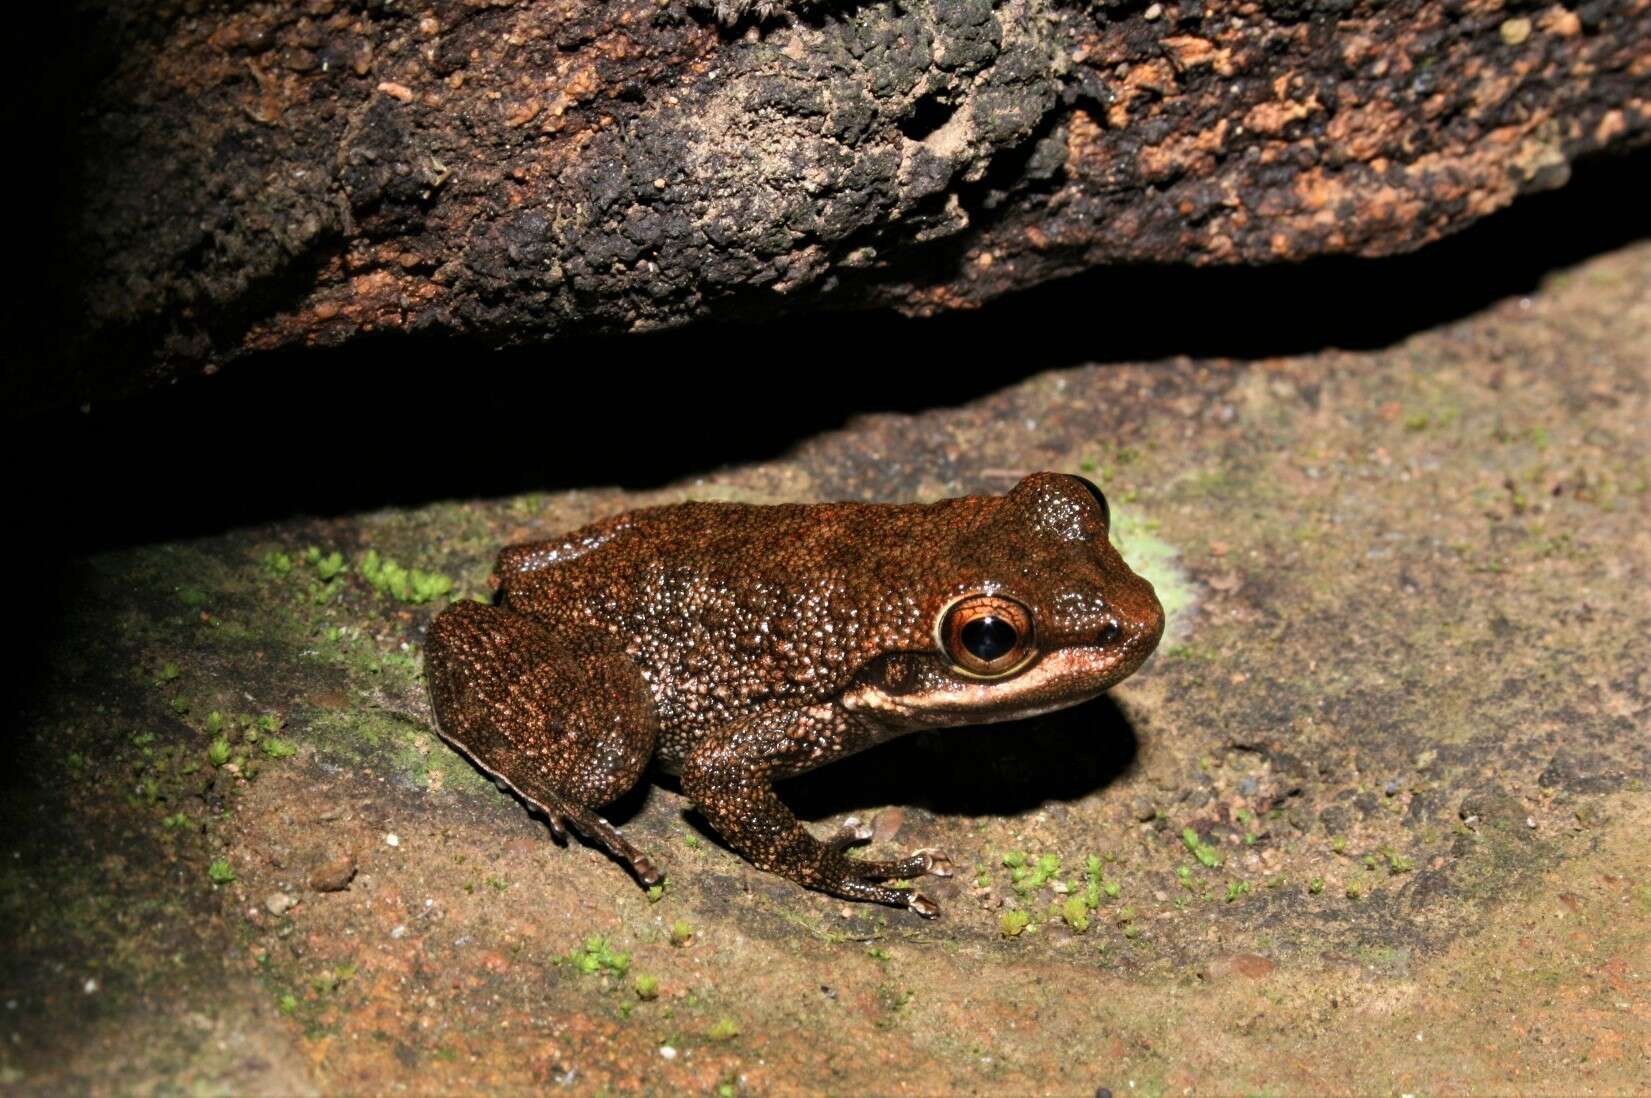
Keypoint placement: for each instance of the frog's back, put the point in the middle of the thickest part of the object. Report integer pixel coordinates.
(736, 547)
(723, 604)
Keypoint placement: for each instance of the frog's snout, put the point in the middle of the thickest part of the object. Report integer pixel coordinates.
(1142, 620)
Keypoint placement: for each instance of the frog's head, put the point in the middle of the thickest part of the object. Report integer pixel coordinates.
(1032, 610)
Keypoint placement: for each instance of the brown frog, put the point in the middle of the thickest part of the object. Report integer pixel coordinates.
(737, 644)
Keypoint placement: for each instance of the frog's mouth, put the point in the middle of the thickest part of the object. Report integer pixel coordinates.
(930, 694)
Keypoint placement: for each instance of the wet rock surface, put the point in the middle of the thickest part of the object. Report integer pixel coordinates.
(1372, 819)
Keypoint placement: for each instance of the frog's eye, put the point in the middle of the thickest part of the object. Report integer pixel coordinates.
(986, 635)
(1100, 498)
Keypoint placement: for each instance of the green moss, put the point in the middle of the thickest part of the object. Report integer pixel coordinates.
(406, 584)
(1027, 877)
(1012, 923)
(217, 753)
(1315, 886)
(1208, 856)
(681, 933)
(327, 567)
(1235, 889)
(597, 955)
(1092, 881)
(220, 872)
(1076, 913)
(723, 1029)
(647, 987)
(277, 748)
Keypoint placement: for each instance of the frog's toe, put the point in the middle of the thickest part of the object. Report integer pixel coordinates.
(935, 863)
(558, 826)
(853, 832)
(646, 872)
(921, 904)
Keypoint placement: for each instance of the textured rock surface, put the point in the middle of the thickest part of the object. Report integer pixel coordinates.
(1373, 820)
(250, 176)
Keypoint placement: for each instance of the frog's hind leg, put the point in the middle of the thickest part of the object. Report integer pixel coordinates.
(565, 720)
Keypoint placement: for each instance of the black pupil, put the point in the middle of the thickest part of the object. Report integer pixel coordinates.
(988, 638)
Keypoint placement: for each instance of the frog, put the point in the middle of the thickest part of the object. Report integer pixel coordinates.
(733, 645)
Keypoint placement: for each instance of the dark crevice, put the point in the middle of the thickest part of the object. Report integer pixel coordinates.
(927, 115)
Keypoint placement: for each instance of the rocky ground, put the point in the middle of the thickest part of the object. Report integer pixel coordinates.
(1372, 820)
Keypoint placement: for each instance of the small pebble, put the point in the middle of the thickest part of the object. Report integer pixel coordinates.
(1516, 30)
(279, 903)
(91, 987)
(886, 824)
(333, 875)
(392, 839)
(399, 932)
(1391, 788)
(668, 1052)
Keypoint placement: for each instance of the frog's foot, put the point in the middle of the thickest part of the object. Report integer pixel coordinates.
(861, 880)
(852, 832)
(855, 832)
(854, 889)
(560, 813)
(922, 905)
(919, 863)
(599, 830)
(557, 824)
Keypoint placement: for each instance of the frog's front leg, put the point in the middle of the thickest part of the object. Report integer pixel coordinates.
(729, 775)
(562, 717)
